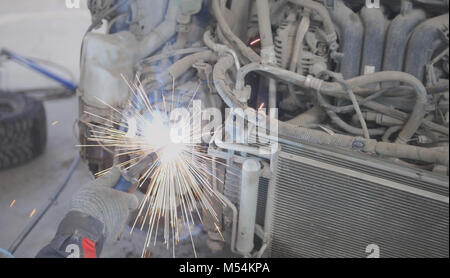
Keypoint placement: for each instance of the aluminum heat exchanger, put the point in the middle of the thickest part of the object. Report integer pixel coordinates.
(330, 204)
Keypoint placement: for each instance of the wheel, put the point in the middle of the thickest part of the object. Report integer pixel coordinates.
(23, 129)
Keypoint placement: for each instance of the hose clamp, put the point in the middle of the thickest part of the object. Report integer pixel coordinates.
(312, 82)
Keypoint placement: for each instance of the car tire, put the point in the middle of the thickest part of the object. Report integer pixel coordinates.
(23, 129)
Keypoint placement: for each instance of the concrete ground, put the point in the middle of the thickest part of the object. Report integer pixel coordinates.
(49, 30)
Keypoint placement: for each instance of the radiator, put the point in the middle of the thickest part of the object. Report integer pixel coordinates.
(329, 203)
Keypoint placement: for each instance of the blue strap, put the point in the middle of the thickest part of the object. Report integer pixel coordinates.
(6, 253)
(122, 185)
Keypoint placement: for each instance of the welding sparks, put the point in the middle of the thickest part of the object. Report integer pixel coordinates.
(55, 123)
(255, 41)
(32, 213)
(179, 181)
(147, 253)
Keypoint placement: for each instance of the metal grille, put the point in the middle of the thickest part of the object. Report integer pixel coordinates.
(329, 204)
(232, 188)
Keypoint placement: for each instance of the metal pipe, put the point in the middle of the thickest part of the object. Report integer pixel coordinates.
(235, 219)
(265, 32)
(241, 148)
(272, 98)
(259, 231)
(267, 48)
(248, 203)
(262, 250)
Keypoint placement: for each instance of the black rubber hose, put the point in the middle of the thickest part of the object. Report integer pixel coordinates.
(426, 38)
(374, 34)
(315, 136)
(387, 110)
(401, 91)
(334, 89)
(418, 113)
(372, 96)
(243, 48)
(303, 134)
(183, 65)
(324, 14)
(356, 107)
(380, 119)
(391, 130)
(343, 125)
(397, 39)
(351, 32)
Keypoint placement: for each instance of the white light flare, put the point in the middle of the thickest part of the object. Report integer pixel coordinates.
(179, 182)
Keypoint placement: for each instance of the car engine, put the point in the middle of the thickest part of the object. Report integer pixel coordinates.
(352, 94)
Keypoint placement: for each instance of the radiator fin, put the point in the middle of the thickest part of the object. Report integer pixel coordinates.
(322, 213)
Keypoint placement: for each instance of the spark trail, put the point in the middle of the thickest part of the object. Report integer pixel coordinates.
(179, 181)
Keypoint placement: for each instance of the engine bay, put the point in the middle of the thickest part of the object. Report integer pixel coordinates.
(364, 80)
